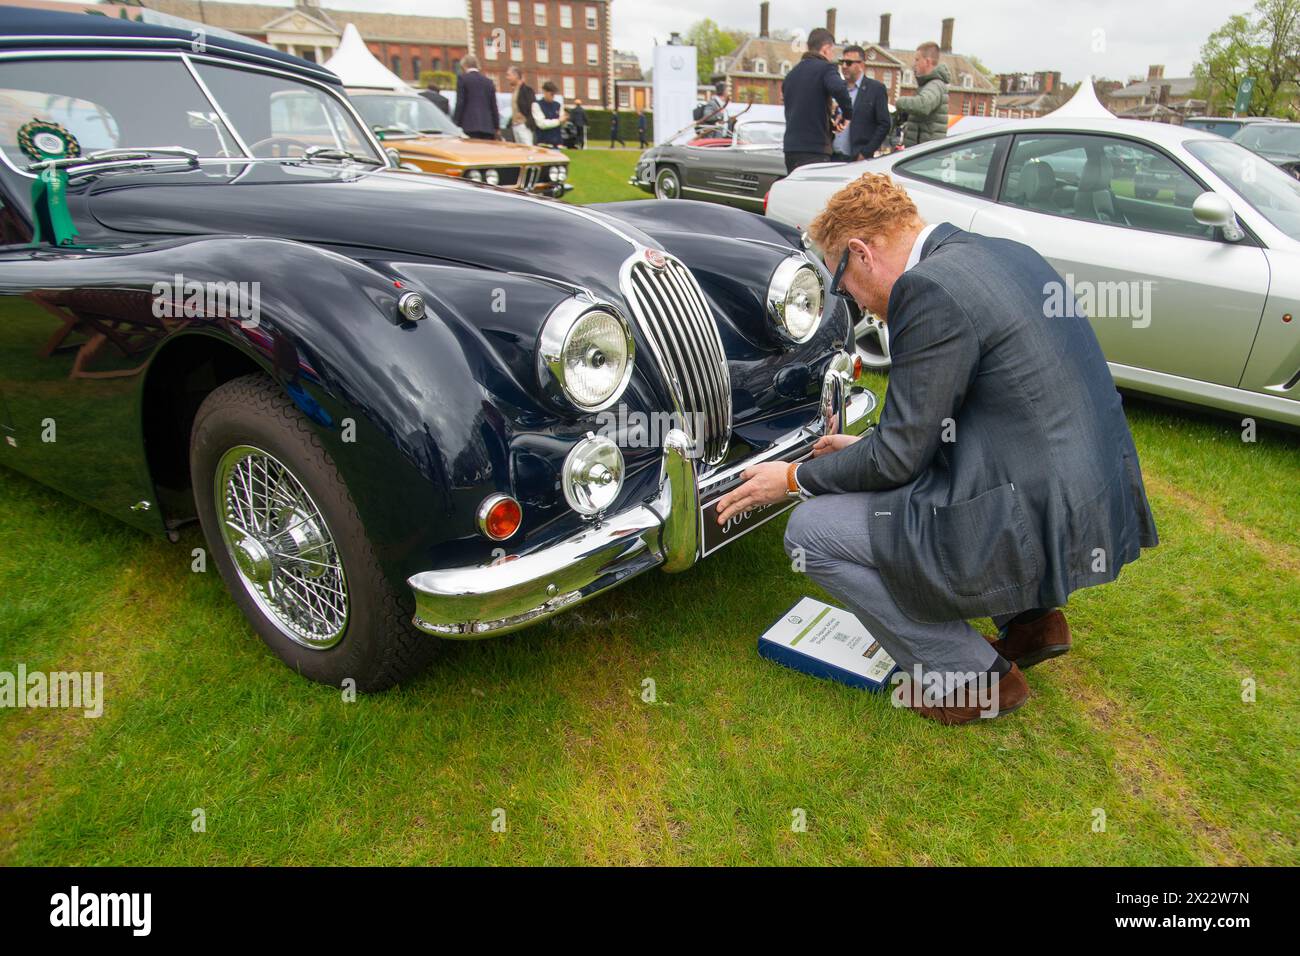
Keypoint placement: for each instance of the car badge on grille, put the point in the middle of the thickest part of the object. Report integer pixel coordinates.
(655, 258)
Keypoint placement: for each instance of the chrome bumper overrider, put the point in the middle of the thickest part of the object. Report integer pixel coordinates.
(516, 591)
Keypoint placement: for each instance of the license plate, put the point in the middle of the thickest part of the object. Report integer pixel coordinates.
(713, 535)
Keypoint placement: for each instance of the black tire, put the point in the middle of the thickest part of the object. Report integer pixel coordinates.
(379, 646)
(668, 183)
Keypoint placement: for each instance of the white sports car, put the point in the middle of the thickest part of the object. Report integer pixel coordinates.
(1182, 247)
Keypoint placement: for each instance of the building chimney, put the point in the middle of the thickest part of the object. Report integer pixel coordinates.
(830, 20)
(884, 30)
(1163, 98)
(945, 41)
(1155, 72)
(762, 18)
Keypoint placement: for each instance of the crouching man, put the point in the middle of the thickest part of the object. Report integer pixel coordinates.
(1002, 475)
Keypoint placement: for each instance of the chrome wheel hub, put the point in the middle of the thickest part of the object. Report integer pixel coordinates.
(872, 342)
(281, 546)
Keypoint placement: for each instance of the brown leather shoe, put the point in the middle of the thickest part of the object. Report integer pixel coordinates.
(1035, 642)
(1007, 694)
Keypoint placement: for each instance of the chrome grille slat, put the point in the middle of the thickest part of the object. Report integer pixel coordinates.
(710, 349)
(678, 323)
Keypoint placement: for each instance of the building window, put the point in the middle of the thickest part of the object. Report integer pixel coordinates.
(909, 78)
(968, 81)
(592, 22)
(512, 11)
(566, 51)
(488, 8)
(593, 89)
(785, 67)
(760, 65)
(415, 67)
(543, 52)
(624, 98)
(516, 49)
(395, 64)
(593, 55)
(539, 14)
(570, 88)
(566, 16)
(489, 49)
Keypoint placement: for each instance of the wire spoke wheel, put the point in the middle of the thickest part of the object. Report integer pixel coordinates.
(281, 547)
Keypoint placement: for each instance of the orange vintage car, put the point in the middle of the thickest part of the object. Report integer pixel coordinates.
(426, 139)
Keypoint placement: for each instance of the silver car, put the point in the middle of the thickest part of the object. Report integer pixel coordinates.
(1182, 247)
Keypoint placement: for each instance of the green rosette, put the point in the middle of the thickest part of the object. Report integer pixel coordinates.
(43, 141)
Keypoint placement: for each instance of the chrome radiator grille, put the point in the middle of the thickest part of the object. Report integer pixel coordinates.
(672, 311)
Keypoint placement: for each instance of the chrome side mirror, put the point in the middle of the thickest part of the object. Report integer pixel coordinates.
(1211, 209)
(394, 158)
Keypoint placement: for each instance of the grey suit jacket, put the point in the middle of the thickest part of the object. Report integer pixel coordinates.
(1004, 470)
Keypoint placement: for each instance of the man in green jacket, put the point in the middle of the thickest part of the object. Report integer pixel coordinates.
(927, 111)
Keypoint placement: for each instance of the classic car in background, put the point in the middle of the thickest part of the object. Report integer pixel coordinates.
(1187, 243)
(735, 169)
(419, 136)
(401, 406)
(1226, 126)
(426, 140)
(1279, 143)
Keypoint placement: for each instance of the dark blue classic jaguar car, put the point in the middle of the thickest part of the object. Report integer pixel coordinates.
(403, 407)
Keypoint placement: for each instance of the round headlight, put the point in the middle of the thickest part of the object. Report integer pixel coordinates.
(564, 172)
(593, 475)
(553, 173)
(475, 175)
(492, 177)
(795, 296)
(586, 352)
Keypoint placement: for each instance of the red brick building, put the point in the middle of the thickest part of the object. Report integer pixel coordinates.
(566, 41)
(405, 44)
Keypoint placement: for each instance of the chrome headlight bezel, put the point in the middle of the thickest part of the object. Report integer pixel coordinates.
(557, 331)
(779, 289)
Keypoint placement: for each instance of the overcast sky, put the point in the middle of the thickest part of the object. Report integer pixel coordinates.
(1112, 38)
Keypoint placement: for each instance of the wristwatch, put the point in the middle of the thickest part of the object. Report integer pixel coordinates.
(792, 488)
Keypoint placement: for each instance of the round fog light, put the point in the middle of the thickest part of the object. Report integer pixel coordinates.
(593, 475)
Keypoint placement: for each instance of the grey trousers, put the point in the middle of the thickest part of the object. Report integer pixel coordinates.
(829, 535)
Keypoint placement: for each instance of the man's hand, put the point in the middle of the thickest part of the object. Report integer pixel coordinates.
(829, 443)
(839, 125)
(764, 485)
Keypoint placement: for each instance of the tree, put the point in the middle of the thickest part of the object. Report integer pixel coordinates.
(710, 42)
(1264, 45)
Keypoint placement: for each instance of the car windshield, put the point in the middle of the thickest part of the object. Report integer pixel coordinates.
(156, 102)
(1270, 192)
(760, 133)
(404, 114)
(1270, 138)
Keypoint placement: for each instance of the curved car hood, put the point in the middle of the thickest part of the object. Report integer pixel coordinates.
(474, 152)
(388, 210)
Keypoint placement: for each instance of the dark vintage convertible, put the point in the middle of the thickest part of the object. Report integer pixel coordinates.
(403, 407)
(734, 167)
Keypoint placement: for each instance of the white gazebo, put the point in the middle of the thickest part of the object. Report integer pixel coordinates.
(1082, 105)
(357, 67)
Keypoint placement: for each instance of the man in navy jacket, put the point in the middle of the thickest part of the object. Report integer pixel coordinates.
(1002, 475)
(871, 122)
(808, 90)
(476, 101)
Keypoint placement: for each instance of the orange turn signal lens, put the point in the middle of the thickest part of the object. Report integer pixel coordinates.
(499, 516)
(857, 367)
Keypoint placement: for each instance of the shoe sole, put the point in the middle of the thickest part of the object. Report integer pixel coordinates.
(1027, 661)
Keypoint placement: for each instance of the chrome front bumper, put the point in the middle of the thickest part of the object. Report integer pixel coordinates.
(515, 591)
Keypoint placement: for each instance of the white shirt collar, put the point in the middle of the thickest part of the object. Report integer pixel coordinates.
(921, 236)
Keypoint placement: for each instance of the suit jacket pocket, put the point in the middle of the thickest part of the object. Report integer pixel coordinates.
(984, 544)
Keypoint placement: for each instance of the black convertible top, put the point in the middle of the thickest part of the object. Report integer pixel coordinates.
(25, 28)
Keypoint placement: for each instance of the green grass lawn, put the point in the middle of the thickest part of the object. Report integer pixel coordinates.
(1143, 722)
(600, 175)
